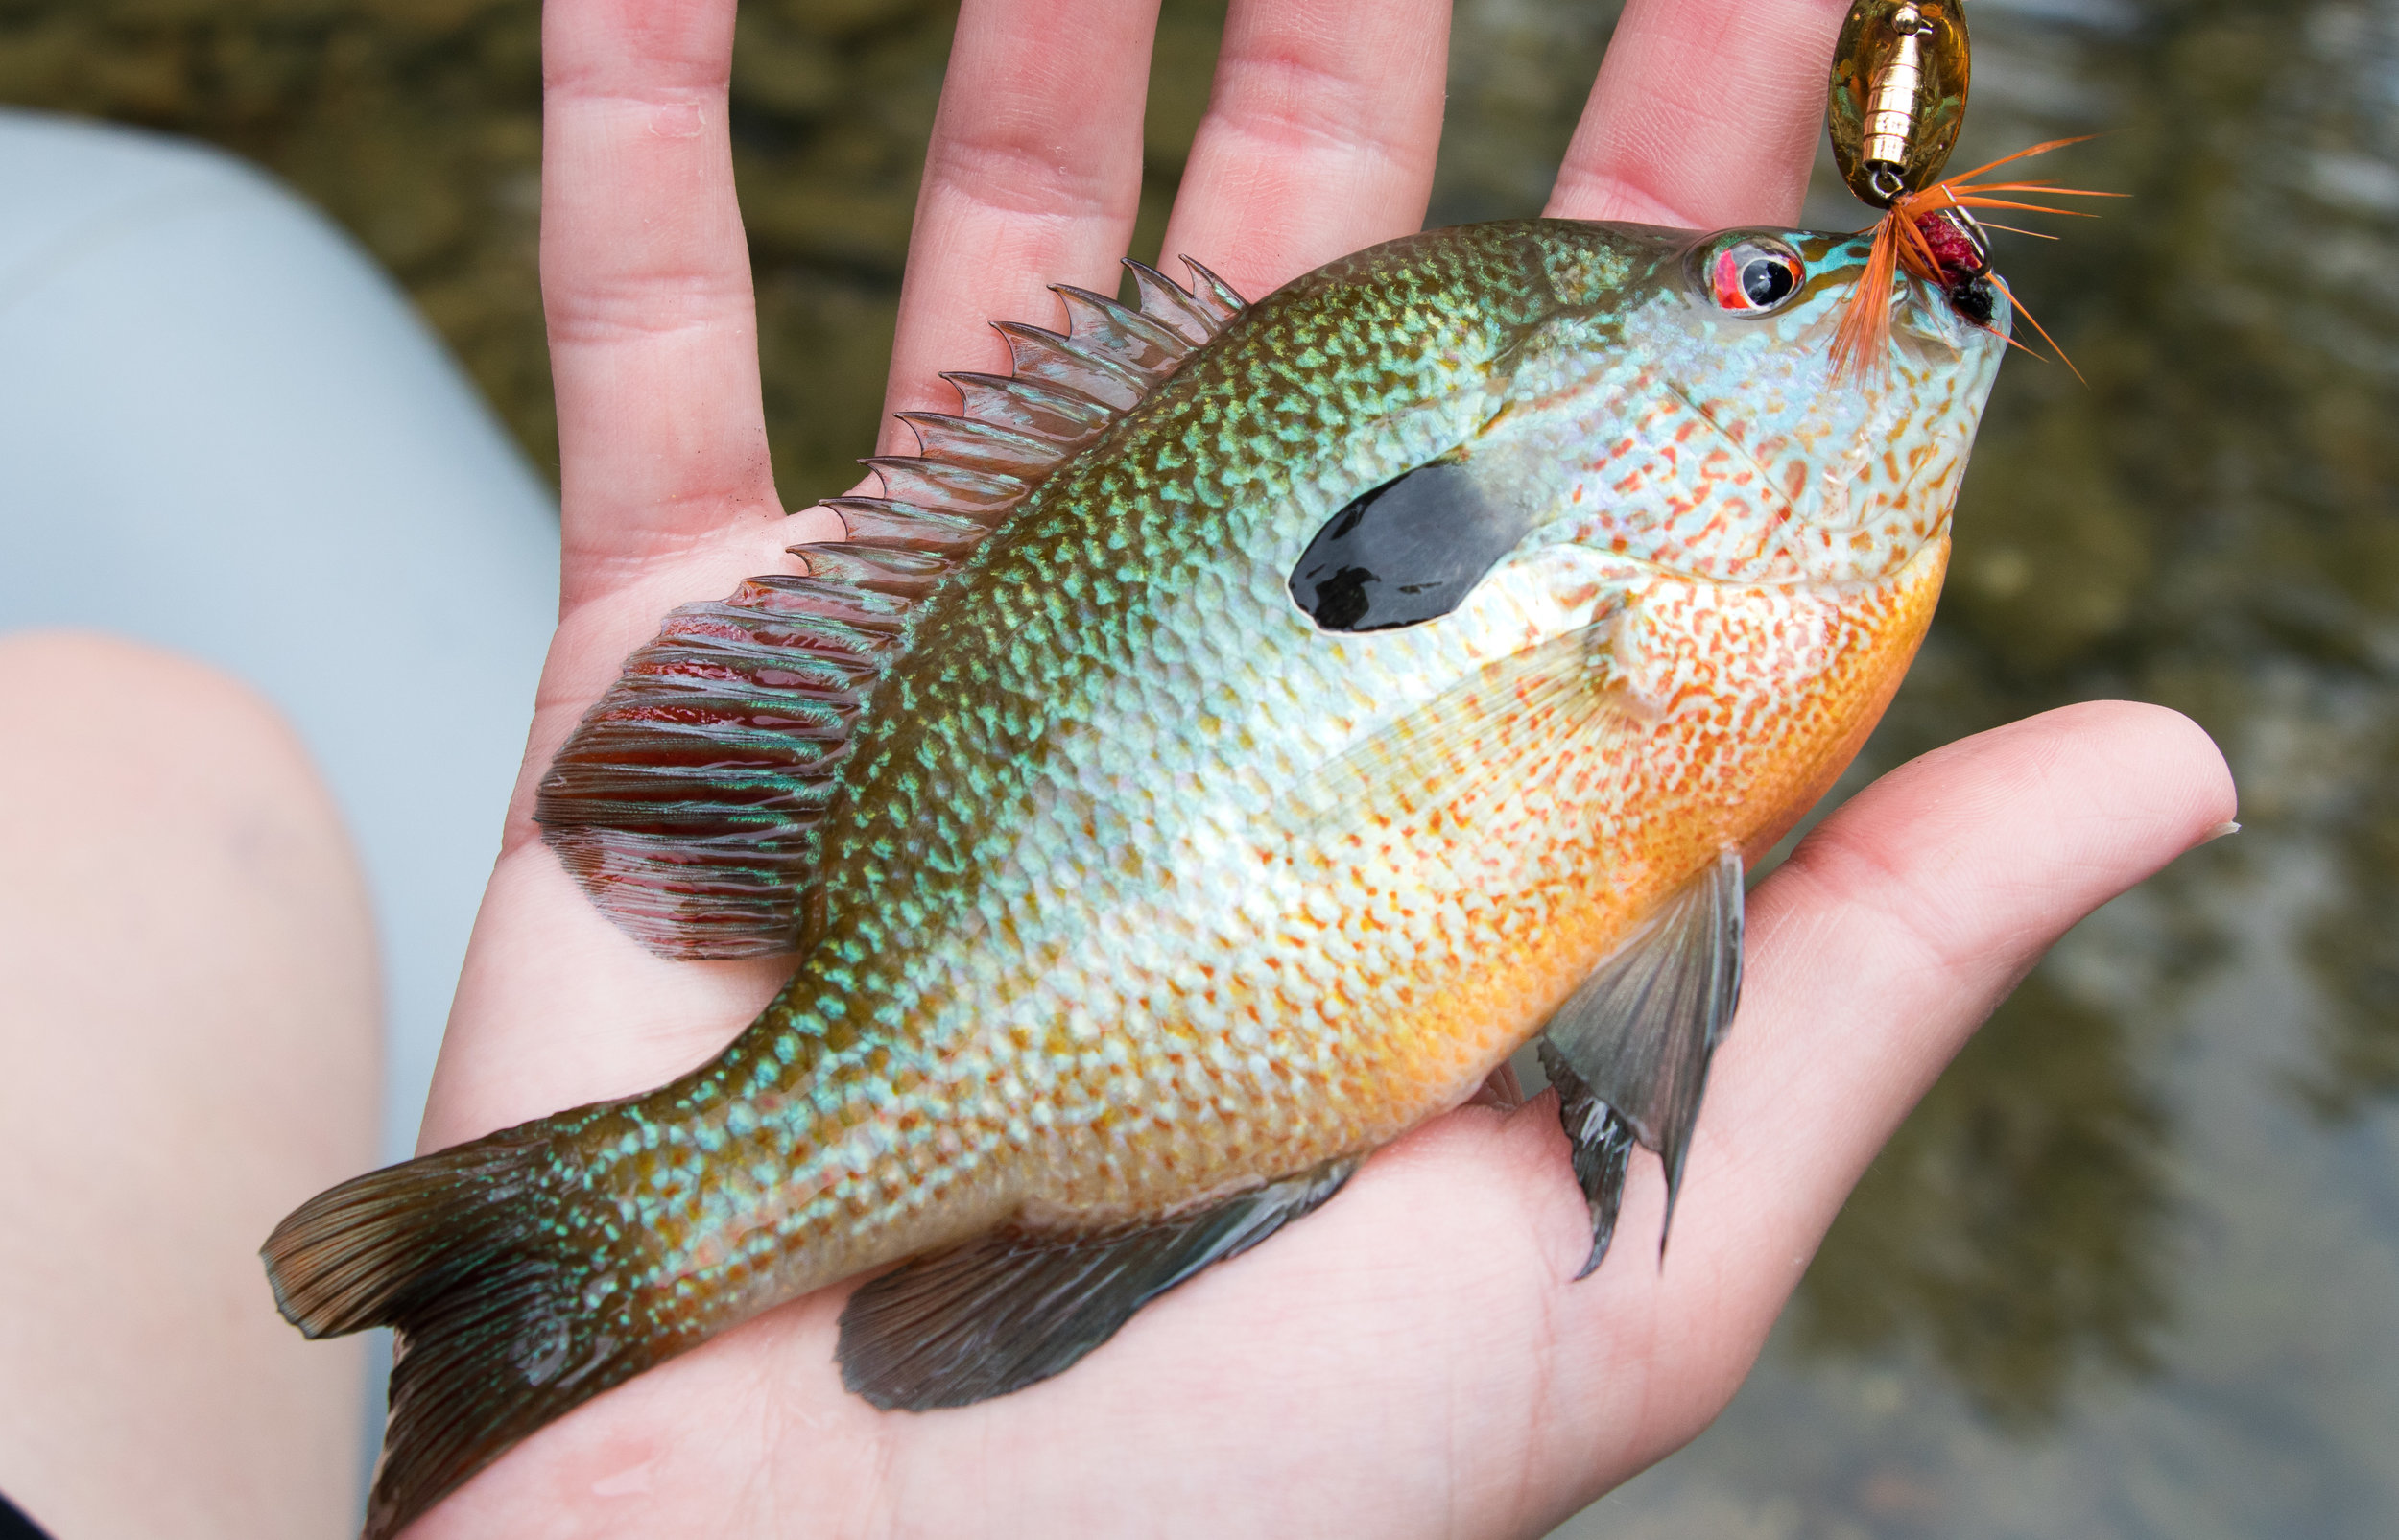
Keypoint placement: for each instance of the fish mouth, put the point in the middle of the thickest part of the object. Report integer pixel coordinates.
(1975, 299)
(1962, 257)
(1963, 306)
(1950, 316)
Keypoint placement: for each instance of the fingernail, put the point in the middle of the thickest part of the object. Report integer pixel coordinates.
(2218, 832)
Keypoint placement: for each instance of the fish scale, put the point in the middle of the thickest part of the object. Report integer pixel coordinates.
(1133, 902)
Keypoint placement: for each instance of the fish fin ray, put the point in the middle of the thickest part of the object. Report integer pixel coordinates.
(450, 1250)
(1637, 1036)
(940, 486)
(1482, 733)
(1015, 1305)
(1171, 306)
(1214, 296)
(1602, 1142)
(1122, 335)
(1054, 359)
(687, 803)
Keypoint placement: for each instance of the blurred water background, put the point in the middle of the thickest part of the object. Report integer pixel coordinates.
(2132, 1269)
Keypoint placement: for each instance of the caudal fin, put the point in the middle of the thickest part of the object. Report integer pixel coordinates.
(458, 1251)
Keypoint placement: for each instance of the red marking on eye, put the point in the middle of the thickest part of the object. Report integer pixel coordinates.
(1748, 277)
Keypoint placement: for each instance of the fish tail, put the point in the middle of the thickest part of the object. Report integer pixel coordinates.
(458, 1251)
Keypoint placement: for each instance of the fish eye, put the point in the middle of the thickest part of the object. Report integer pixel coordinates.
(1754, 275)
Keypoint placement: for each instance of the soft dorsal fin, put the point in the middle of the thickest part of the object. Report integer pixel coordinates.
(688, 800)
(1628, 1051)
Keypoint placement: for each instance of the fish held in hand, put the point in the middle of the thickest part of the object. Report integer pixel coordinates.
(1241, 729)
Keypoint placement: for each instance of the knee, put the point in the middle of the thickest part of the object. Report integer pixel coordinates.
(85, 716)
(111, 748)
(178, 870)
(185, 942)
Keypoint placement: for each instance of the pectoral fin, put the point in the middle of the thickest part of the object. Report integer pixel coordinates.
(1629, 1051)
(1019, 1305)
(1499, 728)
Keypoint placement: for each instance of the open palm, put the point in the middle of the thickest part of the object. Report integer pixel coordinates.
(1413, 1360)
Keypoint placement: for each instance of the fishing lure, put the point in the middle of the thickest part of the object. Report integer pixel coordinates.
(1901, 73)
(1901, 70)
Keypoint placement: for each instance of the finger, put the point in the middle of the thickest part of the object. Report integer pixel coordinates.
(1914, 912)
(645, 284)
(1874, 951)
(1318, 138)
(1704, 115)
(1032, 177)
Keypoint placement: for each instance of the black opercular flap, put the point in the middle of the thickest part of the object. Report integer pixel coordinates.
(1412, 550)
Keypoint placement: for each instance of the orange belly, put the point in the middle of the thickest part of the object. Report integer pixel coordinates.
(1742, 708)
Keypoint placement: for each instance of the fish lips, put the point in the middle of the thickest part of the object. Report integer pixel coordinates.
(1961, 316)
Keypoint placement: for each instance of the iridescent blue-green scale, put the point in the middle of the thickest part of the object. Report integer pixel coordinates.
(849, 1089)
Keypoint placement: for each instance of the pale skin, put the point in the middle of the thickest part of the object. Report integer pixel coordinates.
(1412, 1359)
(187, 1046)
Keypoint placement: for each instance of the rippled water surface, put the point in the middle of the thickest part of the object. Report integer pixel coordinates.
(2133, 1267)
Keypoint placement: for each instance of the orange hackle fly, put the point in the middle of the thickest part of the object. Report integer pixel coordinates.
(1862, 344)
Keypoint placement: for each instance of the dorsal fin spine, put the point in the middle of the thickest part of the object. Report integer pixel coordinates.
(1214, 295)
(901, 574)
(688, 799)
(1040, 354)
(880, 524)
(1169, 304)
(1065, 417)
(780, 594)
(980, 445)
(944, 487)
(1126, 337)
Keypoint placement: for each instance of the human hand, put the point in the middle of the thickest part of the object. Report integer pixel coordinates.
(1413, 1358)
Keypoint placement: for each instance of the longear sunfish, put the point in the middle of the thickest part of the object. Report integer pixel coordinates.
(1240, 730)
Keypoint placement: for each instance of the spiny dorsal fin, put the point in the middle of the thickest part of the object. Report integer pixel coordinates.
(688, 800)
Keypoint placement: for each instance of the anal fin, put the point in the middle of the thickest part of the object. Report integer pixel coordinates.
(1628, 1051)
(1602, 1142)
(1018, 1305)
